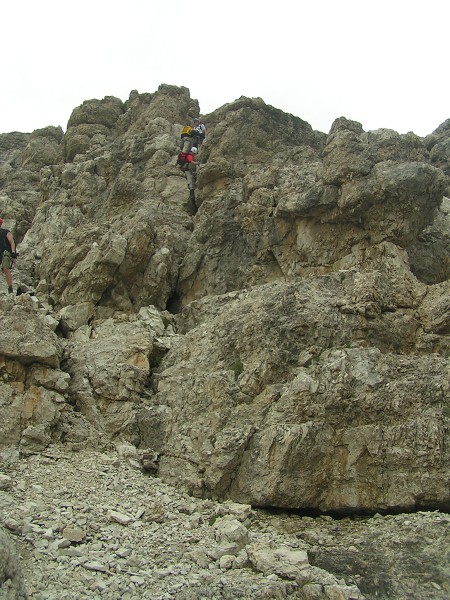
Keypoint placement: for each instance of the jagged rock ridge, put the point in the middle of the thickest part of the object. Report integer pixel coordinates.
(286, 346)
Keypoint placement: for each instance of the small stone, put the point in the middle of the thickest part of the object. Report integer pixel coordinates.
(226, 561)
(95, 566)
(163, 572)
(72, 552)
(231, 530)
(74, 534)
(139, 513)
(222, 550)
(12, 525)
(61, 543)
(119, 517)
(100, 586)
(436, 585)
(96, 546)
(48, 534)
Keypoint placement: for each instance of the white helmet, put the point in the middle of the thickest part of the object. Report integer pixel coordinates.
(194, 150)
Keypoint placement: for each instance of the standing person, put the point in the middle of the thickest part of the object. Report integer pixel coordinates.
(198, 132)
(8, 254)
(190, 169)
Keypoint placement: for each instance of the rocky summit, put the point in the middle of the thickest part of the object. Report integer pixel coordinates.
(237, 393)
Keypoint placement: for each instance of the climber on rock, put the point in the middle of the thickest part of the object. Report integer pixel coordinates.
(188, 165)
(8, 254)
(198, 133)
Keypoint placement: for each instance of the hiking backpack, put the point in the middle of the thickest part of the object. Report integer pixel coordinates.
(186, 139)
(186, 131)
(182, 158)
(198, 132)
(4, 242)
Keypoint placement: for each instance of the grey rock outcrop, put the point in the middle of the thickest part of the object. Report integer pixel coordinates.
(282, 407)
(284, 346)
(301, 318)
(12, 585)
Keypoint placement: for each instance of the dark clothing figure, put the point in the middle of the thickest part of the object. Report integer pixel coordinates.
(198, 133)
(7, 254)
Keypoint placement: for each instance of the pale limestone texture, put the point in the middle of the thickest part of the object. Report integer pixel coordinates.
(284, 345)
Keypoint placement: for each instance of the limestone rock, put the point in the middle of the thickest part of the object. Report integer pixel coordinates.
(43, 148)
(231, 531)
(12, 585)
(27, 338)
(264, 424)
(284, 345)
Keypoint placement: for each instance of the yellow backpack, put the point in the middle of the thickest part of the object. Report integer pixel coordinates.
(186, 131)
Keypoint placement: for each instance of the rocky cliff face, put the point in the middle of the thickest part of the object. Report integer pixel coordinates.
(285, 346)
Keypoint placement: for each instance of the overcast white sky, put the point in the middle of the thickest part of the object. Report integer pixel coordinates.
(382, 63)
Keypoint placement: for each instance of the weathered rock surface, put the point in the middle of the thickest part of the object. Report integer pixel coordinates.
(274, 402)
(284, 346)
(12, 586)
(90, 525)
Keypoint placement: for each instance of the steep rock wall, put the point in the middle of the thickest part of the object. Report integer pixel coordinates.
(287, 345)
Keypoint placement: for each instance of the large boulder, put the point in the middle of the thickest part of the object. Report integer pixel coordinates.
(274, 401)
(12, 584)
